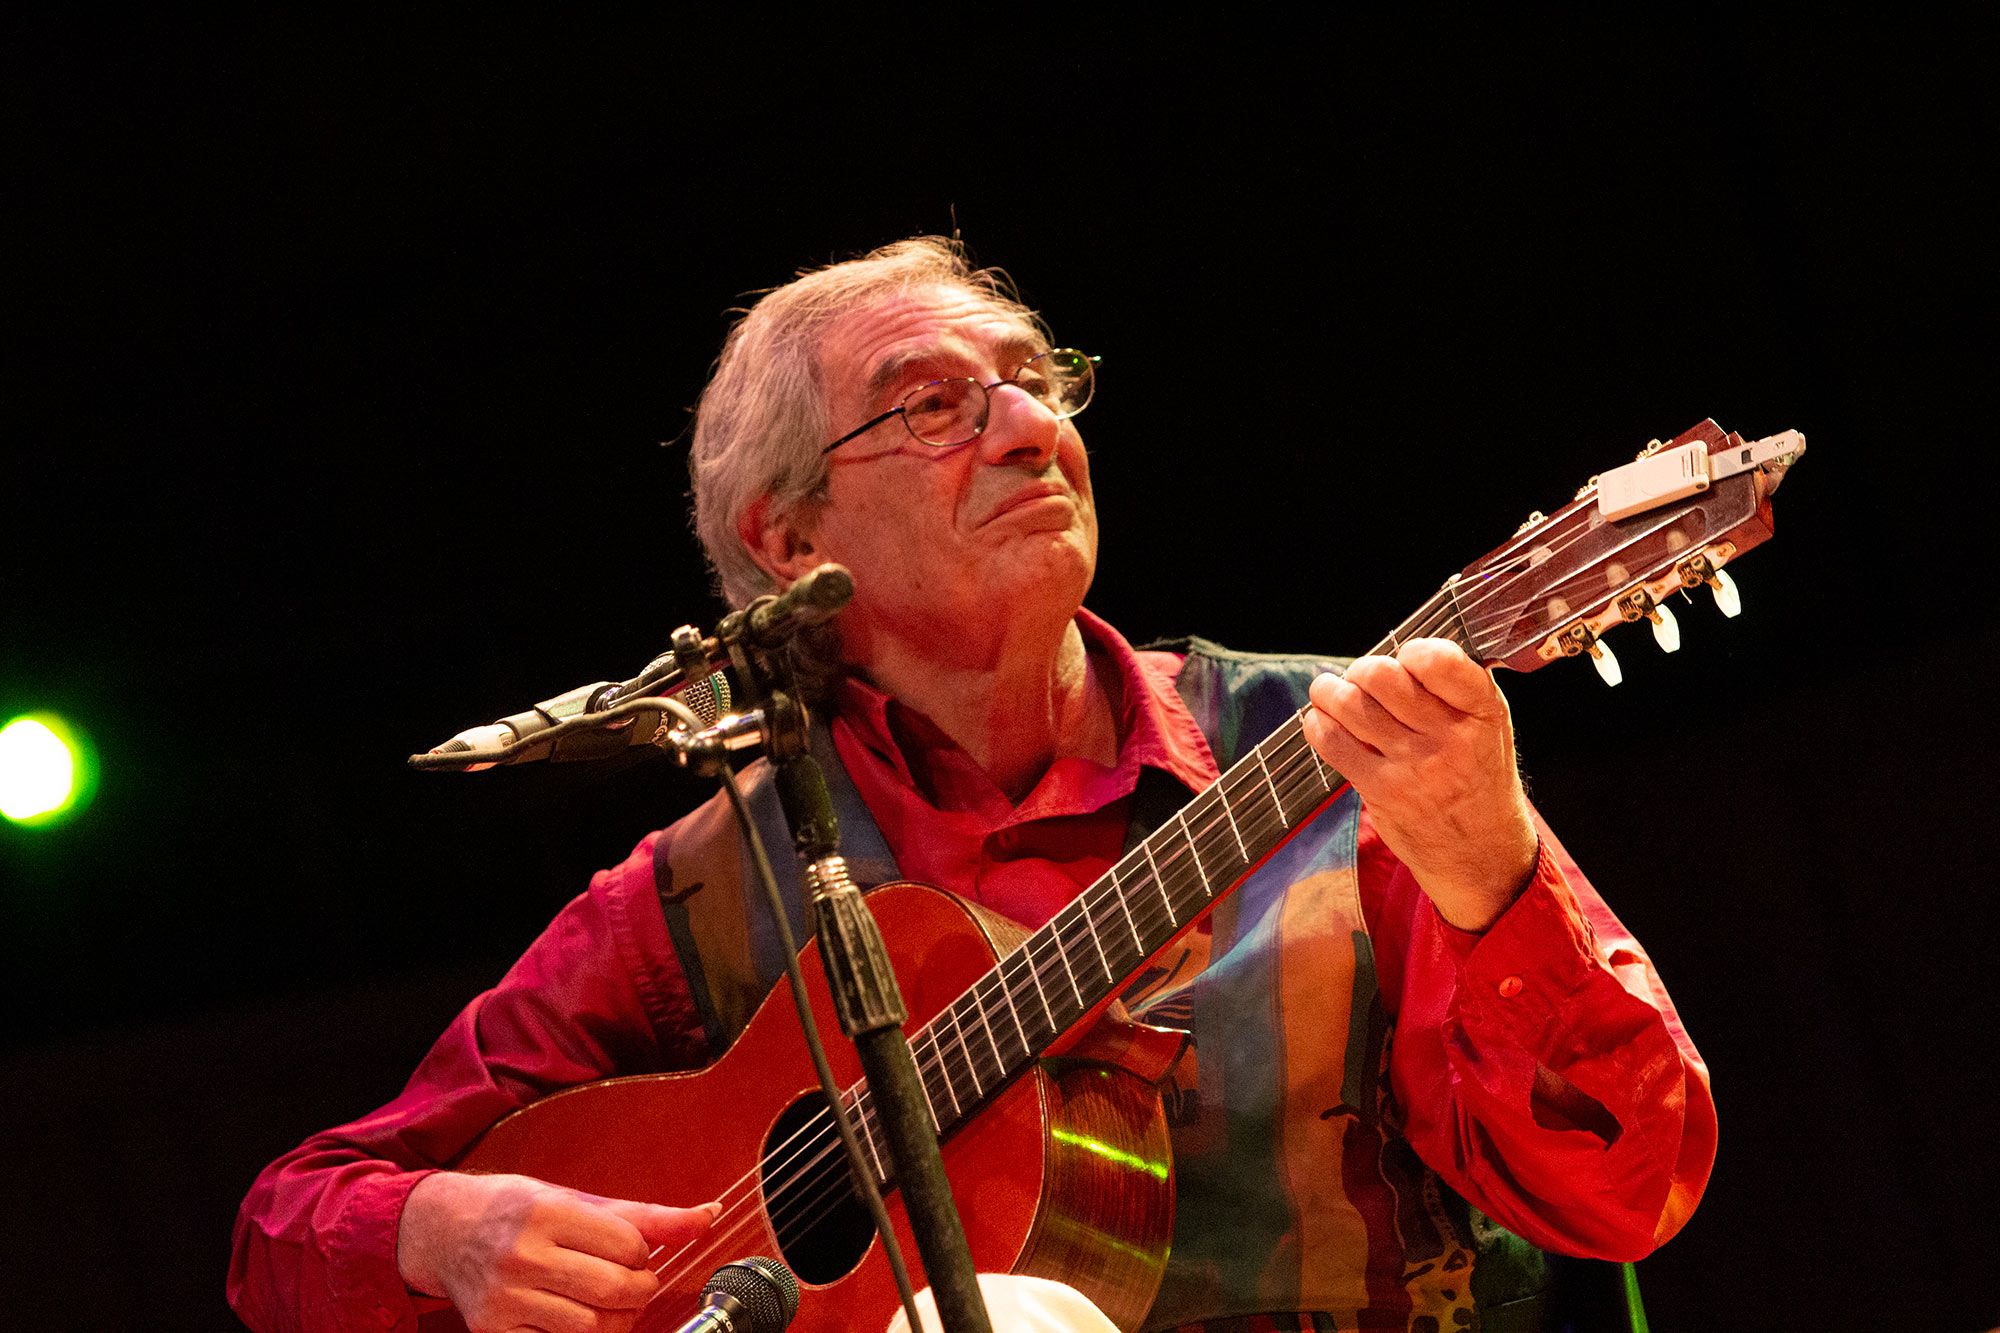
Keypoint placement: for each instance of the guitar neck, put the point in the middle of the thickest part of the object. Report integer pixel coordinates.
(1090, 950)
(1550, 591)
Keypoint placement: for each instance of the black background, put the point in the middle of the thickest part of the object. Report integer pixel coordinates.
(337, 367)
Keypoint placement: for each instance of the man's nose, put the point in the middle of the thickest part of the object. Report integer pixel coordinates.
(1020, 428)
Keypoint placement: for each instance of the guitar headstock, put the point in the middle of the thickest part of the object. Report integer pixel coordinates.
(1567, 578)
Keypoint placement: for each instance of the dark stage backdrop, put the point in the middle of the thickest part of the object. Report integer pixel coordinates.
(338, 365)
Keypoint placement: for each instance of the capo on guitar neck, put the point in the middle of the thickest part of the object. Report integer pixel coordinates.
(1660, 476)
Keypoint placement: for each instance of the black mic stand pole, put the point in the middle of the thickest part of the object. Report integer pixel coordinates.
(869, 1002)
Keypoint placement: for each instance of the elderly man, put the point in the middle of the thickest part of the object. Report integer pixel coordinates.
(1421, 1045)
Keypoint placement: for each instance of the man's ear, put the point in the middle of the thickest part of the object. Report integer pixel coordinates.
(779, 540)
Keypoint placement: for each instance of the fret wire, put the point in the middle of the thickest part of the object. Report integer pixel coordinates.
(1306, 794)
(986, 1021)
(1159, 882)
(1091, 924)
(1318, 762)
(1007, 993)
(1118, 890)
(1281, 793)
(944, 1073)
(1216, 832)
(1303, 780)
(1296, 798)
(1206, 886)
(925, 1083)
(1035, 979)
(1062, 952)
(1035, 975)
(1304, 789)
(1211, 830)
(1223, 794)
(971, 1066)
(1258, 751)
(868, 1132)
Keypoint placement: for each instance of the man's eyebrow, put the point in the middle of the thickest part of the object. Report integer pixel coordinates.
(1013, 348)
(893, 369)
(1020, 346)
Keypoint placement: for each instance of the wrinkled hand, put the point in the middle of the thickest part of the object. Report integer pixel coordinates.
(1426, 740)
(512, 1251)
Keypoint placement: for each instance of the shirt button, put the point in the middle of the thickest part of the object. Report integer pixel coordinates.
(1510, 987)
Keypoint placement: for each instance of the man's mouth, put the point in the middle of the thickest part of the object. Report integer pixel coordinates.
(1040, 490)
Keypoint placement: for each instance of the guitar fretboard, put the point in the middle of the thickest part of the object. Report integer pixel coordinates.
(1554, 572)
(1090, 949)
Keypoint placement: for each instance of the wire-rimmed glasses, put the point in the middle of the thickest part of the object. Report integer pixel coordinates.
(951, 412)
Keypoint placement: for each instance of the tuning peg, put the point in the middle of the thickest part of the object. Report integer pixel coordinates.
(1638, 604)
(1698, 568)
(1666, 630)
(1605, 661)
(1579, 639)
(1727, 599)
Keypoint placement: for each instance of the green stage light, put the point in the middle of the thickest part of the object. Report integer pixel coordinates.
(47, 771)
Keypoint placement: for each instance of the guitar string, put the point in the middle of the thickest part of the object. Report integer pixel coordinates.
(831, 1183)
(940, 1061)
(1294, 751)
(1290, 755)
(839, 1190)
(1567, 528)
(1589, 530)
(943, 1063)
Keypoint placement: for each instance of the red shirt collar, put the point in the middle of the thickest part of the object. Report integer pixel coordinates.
(1155, 730)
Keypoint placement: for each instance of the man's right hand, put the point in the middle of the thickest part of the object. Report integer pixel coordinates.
(511, 1251)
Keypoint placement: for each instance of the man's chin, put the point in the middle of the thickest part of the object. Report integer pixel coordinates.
(1055, 571)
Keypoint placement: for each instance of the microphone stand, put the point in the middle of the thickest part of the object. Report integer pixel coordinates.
(866, 997)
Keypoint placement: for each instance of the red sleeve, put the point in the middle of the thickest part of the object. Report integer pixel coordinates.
(599, 992)
(1540, 1066)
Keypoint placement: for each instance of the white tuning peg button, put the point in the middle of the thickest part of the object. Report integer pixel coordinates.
(1727, 599)
(1666, 630)
(1606, 662)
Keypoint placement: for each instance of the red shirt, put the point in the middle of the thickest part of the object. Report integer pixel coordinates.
(599, 993)
(947, 824)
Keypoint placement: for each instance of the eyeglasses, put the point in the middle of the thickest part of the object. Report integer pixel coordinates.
(950, 412)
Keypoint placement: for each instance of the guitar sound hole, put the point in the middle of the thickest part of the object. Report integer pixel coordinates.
(822, 1225)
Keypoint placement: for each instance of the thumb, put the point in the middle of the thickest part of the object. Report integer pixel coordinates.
(664, 1227)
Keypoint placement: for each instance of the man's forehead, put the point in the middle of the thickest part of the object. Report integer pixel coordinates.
(873, 342)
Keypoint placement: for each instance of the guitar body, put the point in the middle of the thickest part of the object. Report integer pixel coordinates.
(1065, 1174)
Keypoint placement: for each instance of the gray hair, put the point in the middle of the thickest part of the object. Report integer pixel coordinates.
(763, 418)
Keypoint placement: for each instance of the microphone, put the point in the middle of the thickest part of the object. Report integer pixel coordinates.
(815, 598)
(708, 697)
(756, 1295)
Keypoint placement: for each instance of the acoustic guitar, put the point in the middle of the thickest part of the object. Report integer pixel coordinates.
(1042, 1091)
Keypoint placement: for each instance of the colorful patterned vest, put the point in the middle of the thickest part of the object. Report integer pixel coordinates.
(1299, 1205)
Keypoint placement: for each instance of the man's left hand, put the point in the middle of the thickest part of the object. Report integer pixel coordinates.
(1426, 739)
